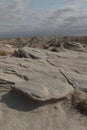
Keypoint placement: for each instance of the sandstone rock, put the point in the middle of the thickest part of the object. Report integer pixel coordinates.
(47, 89)
(74, 46)
(47, 92)
(6, 49)
(53, 48)
(27, 52)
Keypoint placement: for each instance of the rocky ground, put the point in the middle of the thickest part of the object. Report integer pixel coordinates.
(43, 42)
(44, 90)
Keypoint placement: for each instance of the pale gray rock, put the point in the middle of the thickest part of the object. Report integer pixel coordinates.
(48, 92)
(75, 46)
(27, 52)
(45, 88)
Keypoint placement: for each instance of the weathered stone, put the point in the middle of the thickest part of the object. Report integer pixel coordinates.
(74, 46)
(45, 89)
(47, 92)
(27, 52)
(6, 49)
(53, 48)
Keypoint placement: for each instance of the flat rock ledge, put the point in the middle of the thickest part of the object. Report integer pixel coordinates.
(43, 75)
(36, 81)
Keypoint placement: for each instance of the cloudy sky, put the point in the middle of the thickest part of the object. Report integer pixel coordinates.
(43, 17)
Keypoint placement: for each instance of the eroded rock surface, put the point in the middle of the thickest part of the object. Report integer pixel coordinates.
(75, 46)
(43, 90)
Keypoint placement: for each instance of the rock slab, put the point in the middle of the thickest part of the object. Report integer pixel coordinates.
(39, 92)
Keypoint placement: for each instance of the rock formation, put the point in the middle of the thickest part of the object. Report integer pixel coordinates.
(43, 90)
(6, 49)
(75, 46)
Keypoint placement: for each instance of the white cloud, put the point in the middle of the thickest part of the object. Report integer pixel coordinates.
(10, 11)
(69, 19)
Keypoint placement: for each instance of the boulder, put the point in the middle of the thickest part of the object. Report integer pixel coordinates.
(75, 46)
(28, 52)
(53, 48)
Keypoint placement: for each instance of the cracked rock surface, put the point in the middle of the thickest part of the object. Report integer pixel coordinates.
(43, 90)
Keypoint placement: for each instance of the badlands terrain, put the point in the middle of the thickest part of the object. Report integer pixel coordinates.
(43, 83)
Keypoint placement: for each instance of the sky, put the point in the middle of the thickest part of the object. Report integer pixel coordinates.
(43, 17)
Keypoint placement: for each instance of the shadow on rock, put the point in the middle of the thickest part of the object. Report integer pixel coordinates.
(22, 103)
(19, 102)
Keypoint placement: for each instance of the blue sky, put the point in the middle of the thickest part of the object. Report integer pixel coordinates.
(43, 17)
(44, 4)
